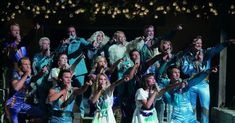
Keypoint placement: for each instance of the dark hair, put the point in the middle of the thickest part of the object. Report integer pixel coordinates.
(196, 38)
(145, 79)
(134, 50)
(169, 70)
(60, 76)
(146, 27)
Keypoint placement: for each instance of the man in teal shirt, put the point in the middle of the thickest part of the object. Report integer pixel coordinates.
(73, 47)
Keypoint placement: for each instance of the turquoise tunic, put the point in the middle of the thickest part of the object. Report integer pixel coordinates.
(57, 106)
(41, 86)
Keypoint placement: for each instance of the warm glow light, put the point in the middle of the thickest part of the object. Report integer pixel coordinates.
(155, 16)
(46, 16)
(59, 21)
(17, 7)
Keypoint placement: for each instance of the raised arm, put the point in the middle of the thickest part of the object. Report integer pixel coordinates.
(53, 95)
(18, 84)
(116, 83)
(114, 65)
(78, 91)
(149, 102)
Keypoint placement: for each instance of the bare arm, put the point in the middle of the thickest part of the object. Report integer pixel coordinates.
(53, 95)
(81, 90)
(114, 66)
(96, 96)
(133, 70)
(148, 103)
(114, 84)
(18, 84)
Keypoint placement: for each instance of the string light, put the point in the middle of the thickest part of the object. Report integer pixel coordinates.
(59, 21)
(129, 9)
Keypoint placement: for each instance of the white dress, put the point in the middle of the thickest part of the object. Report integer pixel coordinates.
(104, 112)
(143, 115)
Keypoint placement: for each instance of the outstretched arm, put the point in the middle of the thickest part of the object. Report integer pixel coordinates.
(114, 84)
(81, 90)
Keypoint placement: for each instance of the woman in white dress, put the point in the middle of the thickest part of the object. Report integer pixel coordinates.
(145, 98)
(102, 97)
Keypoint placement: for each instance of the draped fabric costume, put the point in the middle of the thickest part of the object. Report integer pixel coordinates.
(62, 114)
(190, 67)
(104, 112)
(41, 86)
(73, 50)
(142, 115)
(180, 100)
(16, 103)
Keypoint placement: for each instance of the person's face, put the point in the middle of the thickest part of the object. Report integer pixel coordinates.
(66, 78)
(63, 60)
(151, 81)
(15, 30)
(175, 74)
(102, 80)
(121, 38)
(101, 63)
(99, 37)
(149, 32)
(71, 31)
(26, 65)
(166, 47)
(135, 55)
(45, 45)
(197, 45)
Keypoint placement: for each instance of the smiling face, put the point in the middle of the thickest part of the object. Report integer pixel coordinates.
(197, 44)
(149, 32)
(121, 38)
(175, 74)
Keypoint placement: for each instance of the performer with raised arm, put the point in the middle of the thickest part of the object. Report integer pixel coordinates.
(42, 62)
(145, 97)
(195, 61)
(103, 98)
(73, 46)
(62, 98)
(20, 82)
(149, 44)
(180, 97)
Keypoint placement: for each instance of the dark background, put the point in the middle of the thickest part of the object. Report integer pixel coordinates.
(210, 28)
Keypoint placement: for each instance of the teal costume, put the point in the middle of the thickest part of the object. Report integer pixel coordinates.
(73, 50)
(62, 114)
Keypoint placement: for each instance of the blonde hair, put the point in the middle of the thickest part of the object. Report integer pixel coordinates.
(117, 33)
(43, 39)
(97, 60)
(163, 42)
(95, 86)
(94, 37)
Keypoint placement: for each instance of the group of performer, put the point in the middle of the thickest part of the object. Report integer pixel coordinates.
(142, 77)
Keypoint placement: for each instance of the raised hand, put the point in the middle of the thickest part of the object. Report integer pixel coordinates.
(179, 27)
(214, 69)
(89, 83)
(232, 41)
